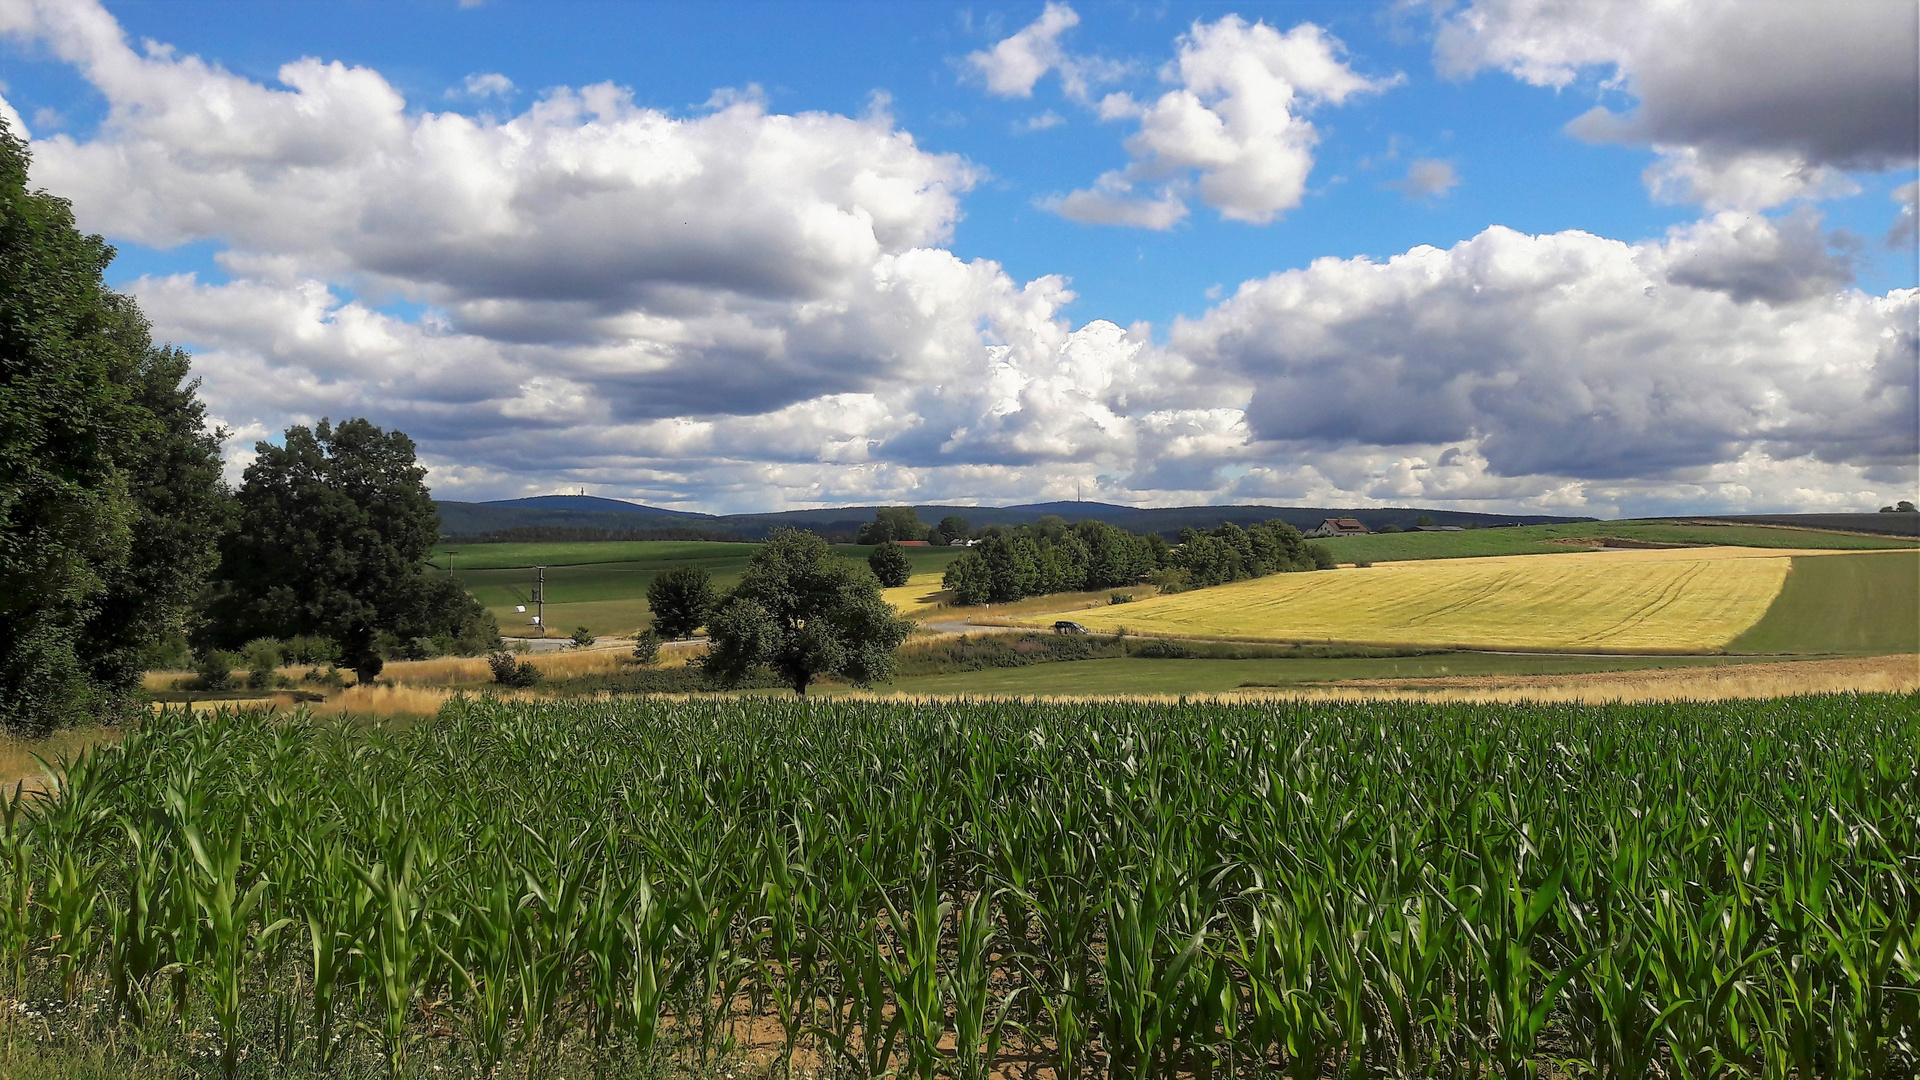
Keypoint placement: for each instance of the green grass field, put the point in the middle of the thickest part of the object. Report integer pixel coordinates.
(603, 585)
(1842, 603)
(1534, 540)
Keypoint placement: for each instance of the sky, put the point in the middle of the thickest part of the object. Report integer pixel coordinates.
(1598, 257)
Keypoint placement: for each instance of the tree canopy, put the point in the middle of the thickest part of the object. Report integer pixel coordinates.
(952, 527)
(680, 598)
(110, 491)
(890, 564)
(893, 523)
(803, 612)
(1051, 556)
(331, 537)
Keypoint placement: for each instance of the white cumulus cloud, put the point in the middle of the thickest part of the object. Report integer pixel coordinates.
(1016, 63)
(1234, 131)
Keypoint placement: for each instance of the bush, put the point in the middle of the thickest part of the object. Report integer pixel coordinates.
(1363, 564)
(215, 669)
(420, 648)
(1120, 598)
(317, 649)
(510, 672)
(1172, 580)
(1322, 556)
(324, 676)
(169, 653)
(582, 637)
(646, 647)
(1161, 649)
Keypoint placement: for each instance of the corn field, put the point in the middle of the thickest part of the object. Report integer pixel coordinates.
(1001, 889)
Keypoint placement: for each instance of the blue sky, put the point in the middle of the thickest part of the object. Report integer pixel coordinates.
(266, 225)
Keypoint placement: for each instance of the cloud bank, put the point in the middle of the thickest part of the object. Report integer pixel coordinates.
(1750, 102)
(741, 309)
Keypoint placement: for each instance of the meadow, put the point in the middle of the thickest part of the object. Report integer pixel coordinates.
(1856, 604)
(973, 890)
(602, 585)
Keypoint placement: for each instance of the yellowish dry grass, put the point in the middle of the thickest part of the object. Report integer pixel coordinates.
(1693, 600)
(17, 756)
(383, 699)
(1739, 682)
(920, 596)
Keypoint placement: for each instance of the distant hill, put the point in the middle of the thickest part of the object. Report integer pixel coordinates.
(590, 517)
(591, 504)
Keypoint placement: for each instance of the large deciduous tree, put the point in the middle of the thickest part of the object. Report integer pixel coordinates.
(680, 599)
(890, 564)
(110, 491)
(332, 536)
(803, 612)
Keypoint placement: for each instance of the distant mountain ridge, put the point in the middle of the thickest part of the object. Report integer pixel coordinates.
(470, 521)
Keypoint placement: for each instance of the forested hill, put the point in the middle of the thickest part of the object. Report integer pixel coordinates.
(580, 516)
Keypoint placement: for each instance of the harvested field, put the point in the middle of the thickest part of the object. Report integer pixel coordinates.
(1735, 682)
(1678, 600)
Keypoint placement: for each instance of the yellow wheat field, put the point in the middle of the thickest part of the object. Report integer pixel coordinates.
(1693, 600)
(921, 594)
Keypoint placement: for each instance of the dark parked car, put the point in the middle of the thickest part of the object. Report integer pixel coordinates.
(1065, 627)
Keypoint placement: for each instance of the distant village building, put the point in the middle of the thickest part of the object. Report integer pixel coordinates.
(1340, 527)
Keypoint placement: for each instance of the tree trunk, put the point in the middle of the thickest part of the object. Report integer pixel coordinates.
(800, 684)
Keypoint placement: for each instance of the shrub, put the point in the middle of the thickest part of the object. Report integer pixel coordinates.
(315, 649)
(1322, 556)
(510, 672)
(1363, 564)
(215, 669)
(1161, 649)
(583, 637)
(646, 647)
(1120, 598)
(1172, 580)
(324, 676)
(169, 653)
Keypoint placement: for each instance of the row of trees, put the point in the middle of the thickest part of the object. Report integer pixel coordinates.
(117, 532)
(897, 523)
(1051, 557)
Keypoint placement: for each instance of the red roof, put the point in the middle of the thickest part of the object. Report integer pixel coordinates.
(913, 543)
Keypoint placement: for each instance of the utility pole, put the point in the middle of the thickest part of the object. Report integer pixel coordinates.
(450, 555)
(540, 600)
